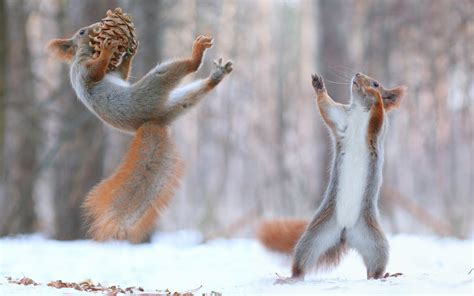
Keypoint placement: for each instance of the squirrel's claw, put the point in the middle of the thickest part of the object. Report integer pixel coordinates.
(204, 41)
(220, 70)
(227, 67)
(218, 62)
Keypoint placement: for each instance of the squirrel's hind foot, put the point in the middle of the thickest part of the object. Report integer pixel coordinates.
(396, 274)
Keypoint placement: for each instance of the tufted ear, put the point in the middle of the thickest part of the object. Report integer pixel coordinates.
(392, 97)
(62, 49)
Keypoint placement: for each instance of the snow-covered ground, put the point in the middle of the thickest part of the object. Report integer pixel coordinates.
(179, 262)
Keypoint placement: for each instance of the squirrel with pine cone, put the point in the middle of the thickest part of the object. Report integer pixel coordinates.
(126, 204)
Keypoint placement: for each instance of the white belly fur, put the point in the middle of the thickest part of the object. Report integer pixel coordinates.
(353, 170)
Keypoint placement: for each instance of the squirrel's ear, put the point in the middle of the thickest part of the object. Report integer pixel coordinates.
(392, 97)
(62, 49)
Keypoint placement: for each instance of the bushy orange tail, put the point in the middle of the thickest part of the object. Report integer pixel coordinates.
(281, 235)
(126, 205)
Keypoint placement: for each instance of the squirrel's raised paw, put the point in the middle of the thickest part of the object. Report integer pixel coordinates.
(220, 70)
(110, 45)
(199, 47)
(318, 82)
(227, 67)
(202, 43)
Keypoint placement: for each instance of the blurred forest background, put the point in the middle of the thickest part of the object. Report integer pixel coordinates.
(256, 146)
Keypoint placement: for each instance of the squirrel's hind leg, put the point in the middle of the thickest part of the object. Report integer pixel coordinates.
(369, 240)
(320, 237)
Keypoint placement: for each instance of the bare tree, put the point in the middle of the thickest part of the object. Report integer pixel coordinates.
(17, 213)
(3, 79)
(78, 165)
(334, 24)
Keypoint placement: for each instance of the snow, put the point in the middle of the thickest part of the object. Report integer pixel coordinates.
(181, 262)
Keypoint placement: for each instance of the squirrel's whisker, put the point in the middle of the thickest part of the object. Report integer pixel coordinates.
(334, 82)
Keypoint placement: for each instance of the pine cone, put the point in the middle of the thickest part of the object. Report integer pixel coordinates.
(116, 26)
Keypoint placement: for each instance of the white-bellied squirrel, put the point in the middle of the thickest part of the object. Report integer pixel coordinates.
(126, 204)
(348, 215)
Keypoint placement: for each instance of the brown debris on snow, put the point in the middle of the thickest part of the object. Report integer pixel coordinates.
(23, 281)
(89, 286)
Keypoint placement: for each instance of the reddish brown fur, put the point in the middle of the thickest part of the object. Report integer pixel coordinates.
(281, 235)
(198, 52)
(97, 68)
(106, 216)
(377, 114)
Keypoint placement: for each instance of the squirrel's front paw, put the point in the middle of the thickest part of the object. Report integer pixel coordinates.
(318, 82)
(227, 67)
(110, 46)
(131, 52)
(220, 70)
(201, 44)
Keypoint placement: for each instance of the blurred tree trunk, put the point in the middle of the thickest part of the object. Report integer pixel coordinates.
(78, 166)
(3, 79)
(17, 213)
(205, 24)
(147, 16)
(287, 49)
(334, 25)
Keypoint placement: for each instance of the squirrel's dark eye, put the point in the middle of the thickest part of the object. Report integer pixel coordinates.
(81, 32)
(376, 84)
